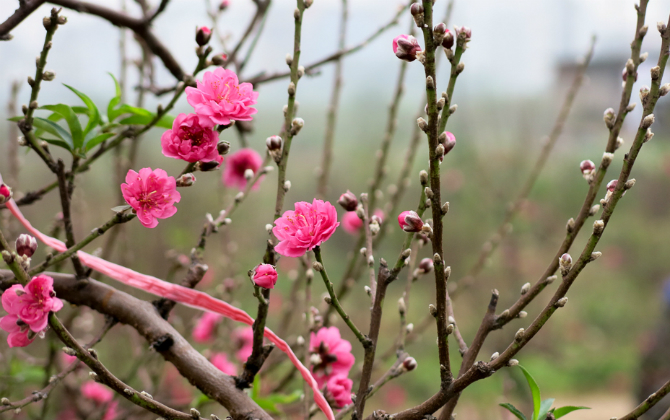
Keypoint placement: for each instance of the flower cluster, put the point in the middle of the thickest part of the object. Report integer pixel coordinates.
(331, 360)
(28, 310)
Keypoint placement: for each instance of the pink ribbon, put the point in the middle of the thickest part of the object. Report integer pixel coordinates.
(184, 295)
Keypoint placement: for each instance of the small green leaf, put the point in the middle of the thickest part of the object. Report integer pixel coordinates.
(53, 128)
(560, 412)
(59, 143)
(544, 408)
(535, 391)
(97, 140)
(72, 122)
(512, 409)
(15, 119)
(93, 113)
(113, 113)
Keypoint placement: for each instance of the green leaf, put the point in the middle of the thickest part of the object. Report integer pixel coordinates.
(59, 143)
(512, 409)
(53, 128)
(15, 119)
(535, 391)
(560, 412)
(72, 122)
(93, 113)
(113, 113)
(544, 408)
(97, 140)
(142, 116)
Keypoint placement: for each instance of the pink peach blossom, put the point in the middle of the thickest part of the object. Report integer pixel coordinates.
(151, 194)
(205, 326)
(66, 359)
(190, 140)
(338, 391)
(308, 226)
(410, 221)
(112, 411)
(237, 165)
(97, 392)
(351, 222)
(265, 276)
(331, 355)
(220, 360)
(28, 308)
(245, 342)
(220, 98)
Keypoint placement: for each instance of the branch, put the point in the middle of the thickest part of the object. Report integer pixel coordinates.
(262, 78)
(24, 10)
(144, 318)
(648, 403)
(139, 26)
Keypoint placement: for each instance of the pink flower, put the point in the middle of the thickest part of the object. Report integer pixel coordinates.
(338, 391)
(97, 392)
(152, 194)
(220, 97)
(190, 140)
(409, 221)
(331, 355)
(308, 226)
(28, 308)
(220, 360)
(265, 276)
(238, 164)
(204, 328)
(112, 411)
(351, 222)
(405, 47)
(66, 359)
(245, 343)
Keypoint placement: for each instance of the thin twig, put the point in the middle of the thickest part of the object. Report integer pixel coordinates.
(20, 14)
(648, 403)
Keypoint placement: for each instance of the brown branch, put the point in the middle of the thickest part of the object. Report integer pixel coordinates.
(648, 403)
(139, 26)
(24, 10)
(144, 318)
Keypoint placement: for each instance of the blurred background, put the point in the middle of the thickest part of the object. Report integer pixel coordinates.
(518, 68)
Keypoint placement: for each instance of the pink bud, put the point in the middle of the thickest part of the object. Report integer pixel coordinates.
(5, 193)
(409, 221)
(587, 167)
(416, 9)
(186, 180)
(448, 40)
(348, 201)
(426, 265)
(566, 259)
(265, 276)
(611, 186)
(409, 364)
(405, 47)
(463, 32)
(203, 35)
(224, 5)
(449, 142)
(273, 143)
(624, 75)
(25, 245)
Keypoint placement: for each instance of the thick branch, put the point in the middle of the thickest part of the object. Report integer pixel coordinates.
(24, 10)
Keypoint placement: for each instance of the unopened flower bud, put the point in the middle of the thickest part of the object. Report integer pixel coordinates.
(401, 306)
(450, 328)
(273, 143)
(423, 177)
(655, 72)
(463, 32)
(291, 88)
(432, 309)
(595, 255)
(426, 265)
(287, 185)
(348, 201)
(664, 89)
(48, 76)
(494, 356)
(423, 124)
(453, 108)
(519, 334)
(644, 94)
(439, 32)
(308, 3)
(587, 167)
(565, 263)
(648, 121)
(648, 135)
(195, 413)
(202, 35)
(629, 184)
(448, 40)
(409, 364)
(619, 142)
(609, 117)
(570, 226)
(5, 193)
(593, 210)
(186, 180)
(410, 221)
(296, 126)
(561, 302)
(523, 314)
(368, 291)
(289, 60)
(661, 26)
(631, 107)
(416, 9)
(407, 48)
(439, 151)
(598, 227)
(607, 158)
(512, 362)
(317, 266)
(525, 288)
(449, 142)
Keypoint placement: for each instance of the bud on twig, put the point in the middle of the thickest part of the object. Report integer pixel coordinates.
(26, 245)
(598, 227)
(186, 180)
(317, 266)
(648, 121)
(565, 263)
(570, 226)
(519, 334)
(416, 9)
(423, 125)
(525, 288)
(561, 302)
(609, 118)
(432, 309)
(409, 364)
(595, 255)
(296, 126)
